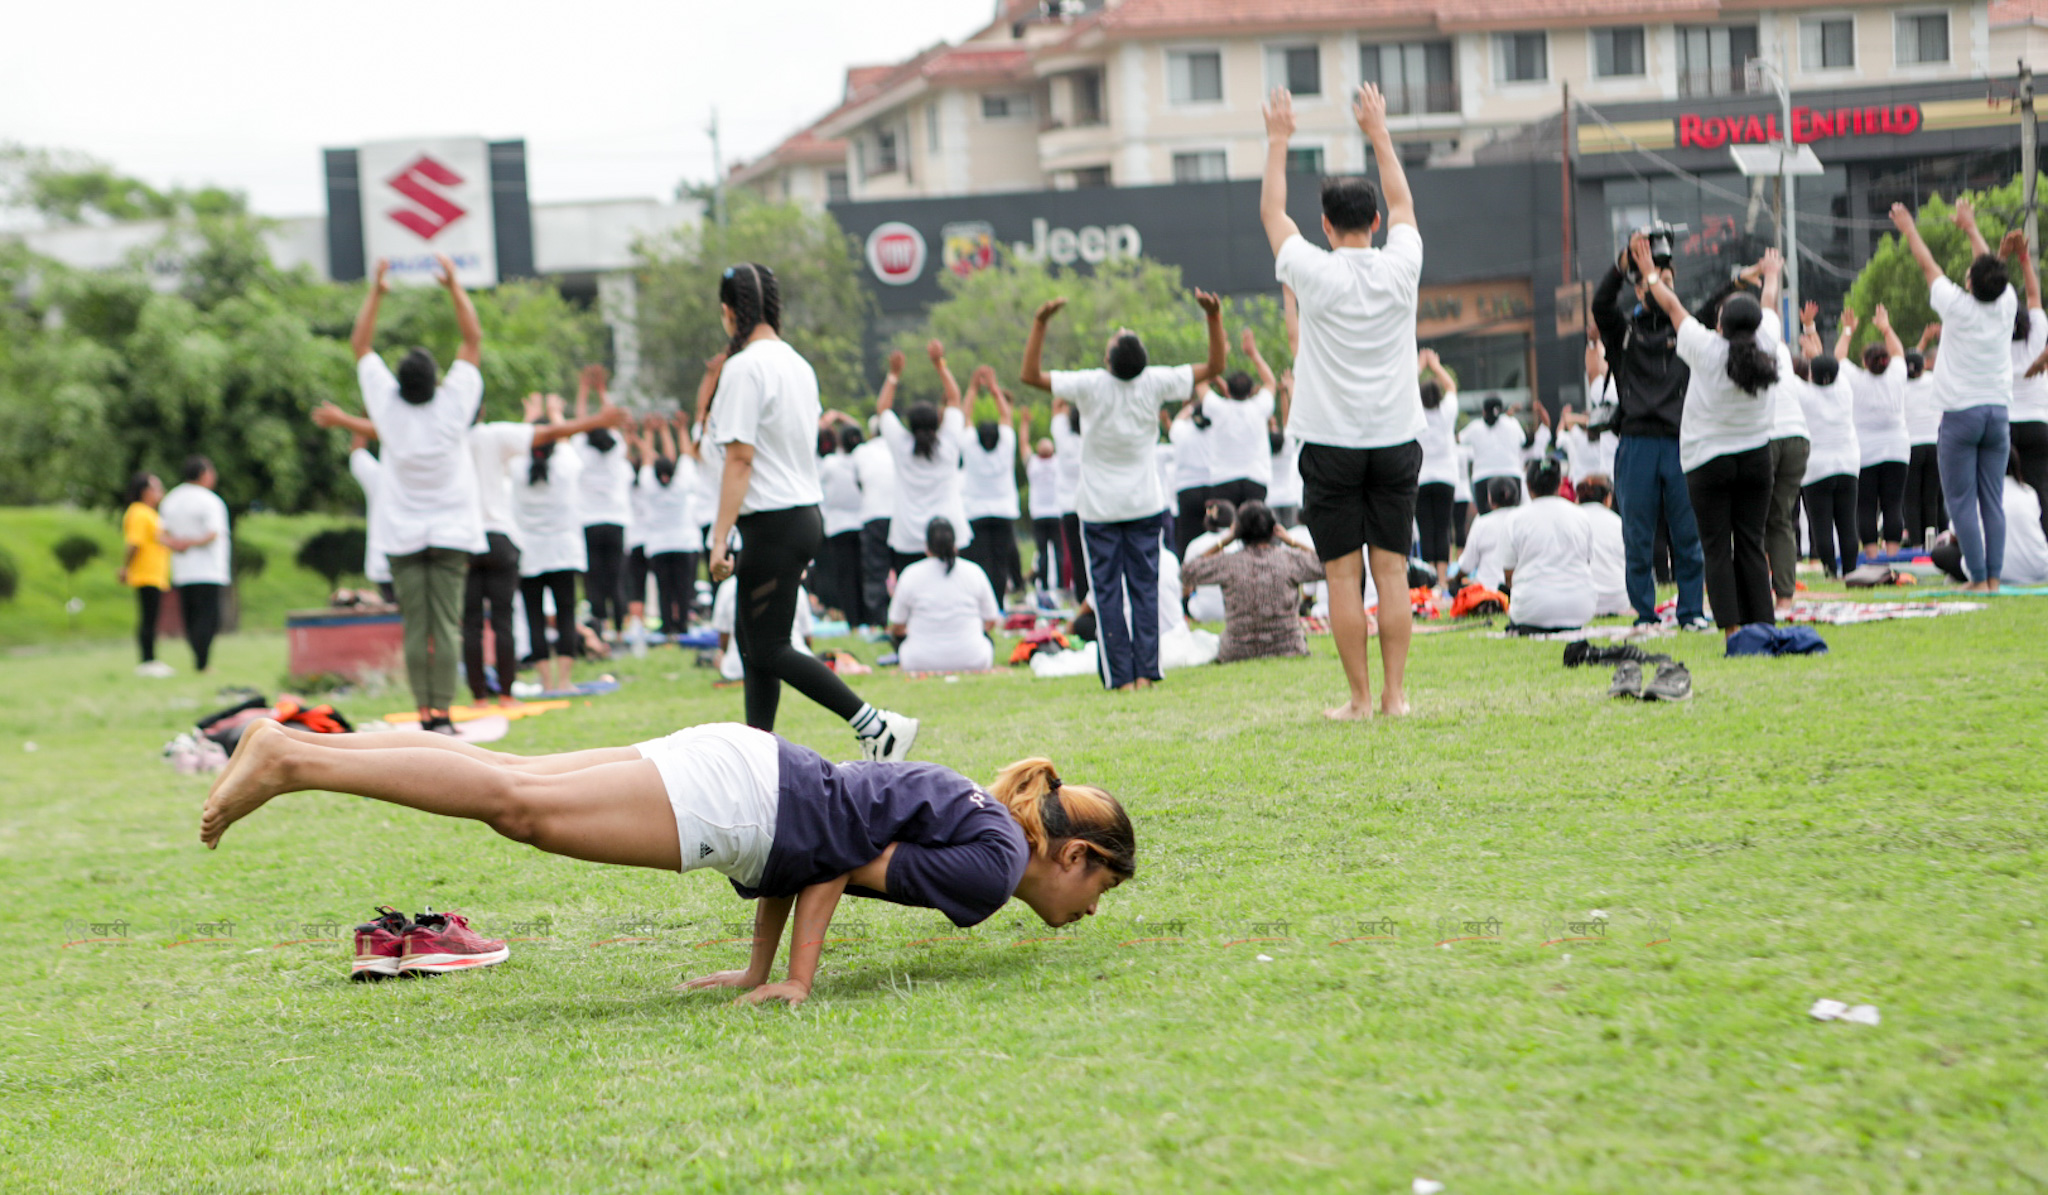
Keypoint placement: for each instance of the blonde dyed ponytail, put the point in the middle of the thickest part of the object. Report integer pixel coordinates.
(1051, 812)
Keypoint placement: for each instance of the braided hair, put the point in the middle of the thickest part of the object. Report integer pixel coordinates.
(755, 298)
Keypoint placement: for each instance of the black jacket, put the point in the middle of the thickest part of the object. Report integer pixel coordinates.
(1642, 356)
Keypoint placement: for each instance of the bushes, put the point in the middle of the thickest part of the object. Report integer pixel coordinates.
(334, 553)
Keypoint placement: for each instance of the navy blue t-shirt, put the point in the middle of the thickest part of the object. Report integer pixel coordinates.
(957, 849)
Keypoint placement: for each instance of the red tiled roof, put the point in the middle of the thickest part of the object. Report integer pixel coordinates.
(2018, 12)
(860, 78)
(1154, 18)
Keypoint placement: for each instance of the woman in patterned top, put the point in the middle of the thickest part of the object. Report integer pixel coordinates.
(1261, 586)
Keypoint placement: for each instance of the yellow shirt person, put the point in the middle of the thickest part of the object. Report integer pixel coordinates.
(150, 564)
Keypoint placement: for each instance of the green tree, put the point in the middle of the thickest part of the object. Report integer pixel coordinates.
(825, 307)
(71, 188)
(334, 553)
(1893, 278)
(985, 315)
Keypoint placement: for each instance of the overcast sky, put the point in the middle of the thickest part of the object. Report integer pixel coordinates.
(611, 97)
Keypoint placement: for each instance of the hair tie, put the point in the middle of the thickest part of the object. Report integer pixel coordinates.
(1052, 785)
(1051, 813)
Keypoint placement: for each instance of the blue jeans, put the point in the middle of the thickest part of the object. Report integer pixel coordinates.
(1647, 483)
(1123, 571)
(1972, 449)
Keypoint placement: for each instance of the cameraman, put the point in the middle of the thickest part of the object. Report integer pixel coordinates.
(1650, 381)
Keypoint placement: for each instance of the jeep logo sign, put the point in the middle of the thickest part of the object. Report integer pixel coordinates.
(1090, 243)
(896, 253)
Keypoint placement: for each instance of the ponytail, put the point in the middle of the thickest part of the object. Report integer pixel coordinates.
(939, 540)
(1051, 813)
(1749, 366)
(537, 467)
(755, 298)
(924, 430)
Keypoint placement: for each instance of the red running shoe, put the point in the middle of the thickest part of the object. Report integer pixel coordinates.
(379, 945)
(439, 942)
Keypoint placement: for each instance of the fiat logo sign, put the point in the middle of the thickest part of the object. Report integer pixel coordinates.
(896, 253)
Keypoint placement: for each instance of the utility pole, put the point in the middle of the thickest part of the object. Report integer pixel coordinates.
(717, 174)
(2027, 154)
(1788, 223)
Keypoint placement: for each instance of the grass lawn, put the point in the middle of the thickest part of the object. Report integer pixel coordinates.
(1865, 826)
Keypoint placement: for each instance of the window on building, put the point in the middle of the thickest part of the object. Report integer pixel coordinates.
(1006, 105)
(1921, 37)
(1712, 59)
(885, 151)
(1521, 57)
(1088, 109)
(1827, 43)
(1416, 77)
(1618, 53)
(1305, 160)
(836, 190)
(1195, 76)
(1297, 68)
(1091, 176)
(1202, 166)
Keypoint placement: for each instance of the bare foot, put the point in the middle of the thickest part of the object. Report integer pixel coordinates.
(1143, 682)
(1393, 707)
(1350, 711)
(256, 776)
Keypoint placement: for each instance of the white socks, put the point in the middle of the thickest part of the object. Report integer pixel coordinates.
(866, 722)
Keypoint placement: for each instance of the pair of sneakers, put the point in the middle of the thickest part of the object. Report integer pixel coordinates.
(1671, 681)
(889, 739)
(429, 944)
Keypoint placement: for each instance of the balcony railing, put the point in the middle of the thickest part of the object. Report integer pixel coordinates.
(1720, 80)
(1417, 99)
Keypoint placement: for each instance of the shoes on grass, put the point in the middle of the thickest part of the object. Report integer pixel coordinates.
(1579, 651)
(436, 943)
(1672, 683)
(155, 669)
(1628, 680)
(440, 724)
(380, 943)
(1697, 623)
(892, 742)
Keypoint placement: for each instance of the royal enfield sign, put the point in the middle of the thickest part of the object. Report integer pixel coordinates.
(1808, 125)
(896, 253)
(422, 198)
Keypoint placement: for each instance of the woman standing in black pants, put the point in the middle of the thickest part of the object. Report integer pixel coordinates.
(1923, 431)
(1436, 494)
(1831, 463)
(1724, 442)
(764, 415)
(1880, 389)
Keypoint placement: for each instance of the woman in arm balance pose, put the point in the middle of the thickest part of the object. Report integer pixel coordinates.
(787, 827)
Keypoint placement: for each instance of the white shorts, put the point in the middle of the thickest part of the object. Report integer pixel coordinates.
(723, 783)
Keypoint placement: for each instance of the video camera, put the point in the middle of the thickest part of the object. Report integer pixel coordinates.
(1660, 235)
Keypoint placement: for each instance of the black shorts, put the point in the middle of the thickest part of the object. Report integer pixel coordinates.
(1352, 497)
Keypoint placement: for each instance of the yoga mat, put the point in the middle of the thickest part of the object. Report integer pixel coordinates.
(471, 713)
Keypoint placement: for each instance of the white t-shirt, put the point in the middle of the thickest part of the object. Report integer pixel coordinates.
(1788, 410)
(1610, 561)
(943, 614)
(2026, 550)
(2030, 395)
(1461, 486)
(604, 484)
(768, 397)
(989, 475)
(1581, 455)
(1484, 546)
(1923, 410)
(672, 522)
(1830, 429)
(369, 474)
(1975, 365)
(927, 489)
(429, 481)
(1550, 548)
(1720, 417)
(1162, 460)
(1238, 450)
(1119, 425)
(874, 467)
(190, 511)
(1496, 450)
(1354, 374)
(841, 487)
(1043, 475)
(1190, 454)
(710, 481)
(1205, 604)
(494, 448)
(1066, 445)
(725, 609)
(1880, 412)
(636, 531)
(1285, 488)
(1440, 443)
(550, 532)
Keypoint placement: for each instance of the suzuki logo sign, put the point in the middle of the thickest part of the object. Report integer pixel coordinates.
(426, 197)
(431, 211)
(896, 253)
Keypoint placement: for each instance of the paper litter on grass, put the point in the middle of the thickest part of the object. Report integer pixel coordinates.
(1426, 1186)
(1844, 613)
(1835, 1010)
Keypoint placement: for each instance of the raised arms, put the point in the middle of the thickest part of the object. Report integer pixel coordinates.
(365, 332)
(1279, 225)
(886, 400)
(936, 350)
(1909, 232)
(1370, 111)
(466, 323)
(1034, 345)
(1639, 249)
(1250, 345)
(1219, 345)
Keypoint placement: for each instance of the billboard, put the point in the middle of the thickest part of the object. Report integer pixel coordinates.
(426, 197)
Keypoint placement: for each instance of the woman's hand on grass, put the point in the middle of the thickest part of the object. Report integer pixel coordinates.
(720, 979)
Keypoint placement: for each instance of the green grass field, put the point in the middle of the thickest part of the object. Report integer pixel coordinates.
(1865, 826)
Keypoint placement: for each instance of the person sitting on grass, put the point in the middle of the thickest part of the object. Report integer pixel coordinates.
(1481, 559)
(944, 609)
(1610, 563)
(1548, 558)
(788, 828)
(1261, 586)
(1205, 602)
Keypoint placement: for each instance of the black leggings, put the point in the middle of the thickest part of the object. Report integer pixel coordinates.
(777, 548)
(1190, 522)
(200, 604)
(1731, 500)
(1881, 488)
(1924, 506)
(605, 584)
(2030, 444)
(675, 587)
(1070, 534)
(637, 572)
(149, 602)
(567, 642)
(493, 578)
(841, 574)
(995, 550)
(1045, 533)
(1461, 520)
(1831, 521)
(1433, 503)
